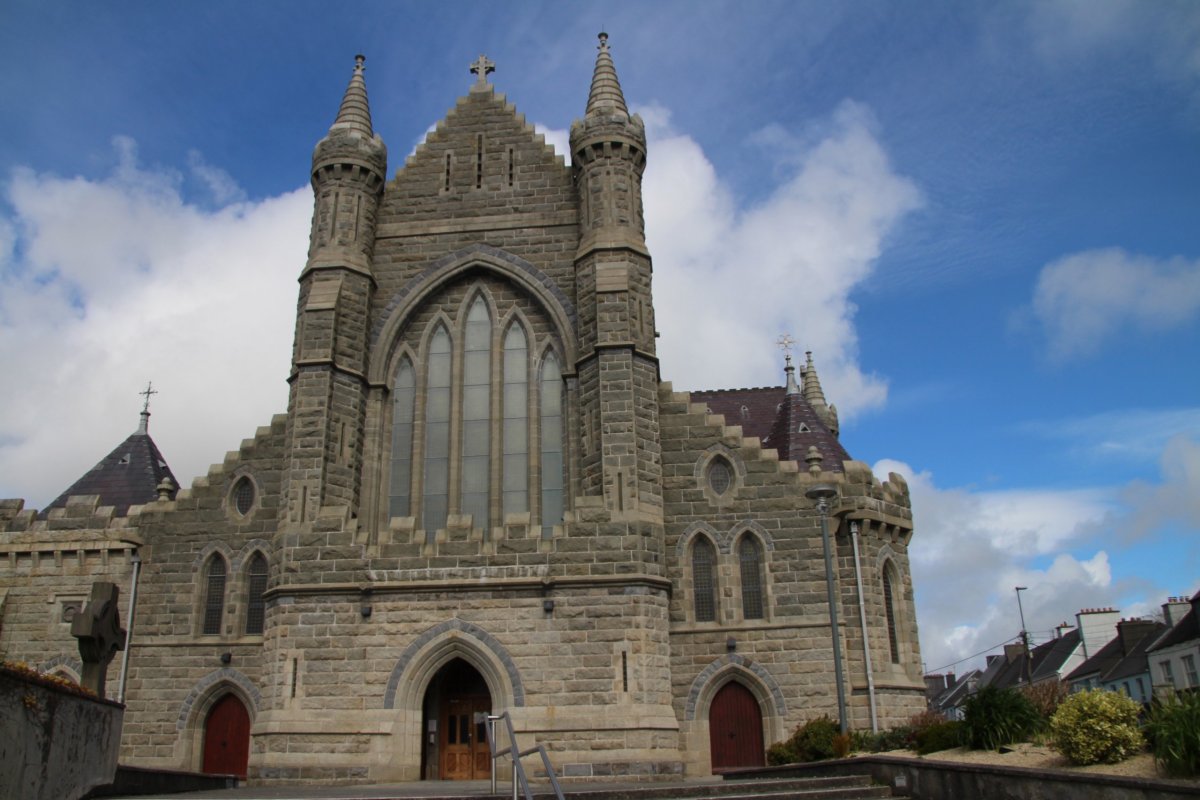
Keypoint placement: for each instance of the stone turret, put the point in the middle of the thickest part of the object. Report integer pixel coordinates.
(326, 403)
(621, 458)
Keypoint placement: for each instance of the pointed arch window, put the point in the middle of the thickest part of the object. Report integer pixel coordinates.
(214, 595)
(404, 398)
(515, 466)
(750, 561)
(436, 498)
(256, 587)
(704, 580)
(477, 420)
(551, 435)
(889, 609)
(476, 415)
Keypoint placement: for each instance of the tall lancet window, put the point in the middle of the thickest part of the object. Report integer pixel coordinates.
(704, 580)
(476, 414)
(750, 560)
(435, 500)
(404, 398)
(515, 468)
(552, 444)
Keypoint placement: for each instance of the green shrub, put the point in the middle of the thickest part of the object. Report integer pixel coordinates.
(939, 736)
(812, 741)
(1174, 733)
(995, 717)
(1096, 727)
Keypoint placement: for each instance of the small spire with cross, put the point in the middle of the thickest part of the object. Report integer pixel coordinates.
(481, 68)
(603, 46)
(148, 392)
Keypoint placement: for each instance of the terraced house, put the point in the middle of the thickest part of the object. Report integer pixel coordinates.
(483, 497)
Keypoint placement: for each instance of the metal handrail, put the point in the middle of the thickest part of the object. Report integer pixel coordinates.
(519, 776)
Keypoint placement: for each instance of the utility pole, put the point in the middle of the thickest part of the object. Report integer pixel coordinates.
(1024, 636)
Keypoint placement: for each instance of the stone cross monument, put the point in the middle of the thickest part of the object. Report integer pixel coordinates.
(98, 628)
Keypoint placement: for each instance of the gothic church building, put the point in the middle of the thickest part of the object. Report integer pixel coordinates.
(483, 497)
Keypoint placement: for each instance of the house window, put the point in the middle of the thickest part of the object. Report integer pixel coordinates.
(1189, 669)
(214, 596)
(256, 587)
(889, 608)
(470, 407)
(704, 584)
(750, 558)
(1168, 677)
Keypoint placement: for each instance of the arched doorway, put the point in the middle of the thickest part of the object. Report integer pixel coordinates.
(455, 746)
(735, 730)
(227, 738)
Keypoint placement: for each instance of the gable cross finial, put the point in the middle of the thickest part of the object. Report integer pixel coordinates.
(149, 391)
(482, 67)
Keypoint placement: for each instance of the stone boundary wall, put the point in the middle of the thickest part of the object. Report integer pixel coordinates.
(925, 779)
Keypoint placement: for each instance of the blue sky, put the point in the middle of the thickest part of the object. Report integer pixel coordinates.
(983, 218)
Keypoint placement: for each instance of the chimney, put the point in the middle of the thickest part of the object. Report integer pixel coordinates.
(1133, 631)
(1061, 629)
(1096, 628)
(950, 680)
(1013, 651)
(990, 660)
(1174, 610)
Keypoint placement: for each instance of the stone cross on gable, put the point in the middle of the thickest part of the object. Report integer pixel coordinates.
(482, 67)
(150, 390)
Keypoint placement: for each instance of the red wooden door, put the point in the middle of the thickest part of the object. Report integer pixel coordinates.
(227, 738)
(735, 729)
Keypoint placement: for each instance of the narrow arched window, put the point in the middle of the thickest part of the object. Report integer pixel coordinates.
(214, 595)
(704, 582)
(551, 423)
(750, 558)
(477, 414)
(889, 608)
(256, 586)
(404, 397)
(515, 468)
(435, 500)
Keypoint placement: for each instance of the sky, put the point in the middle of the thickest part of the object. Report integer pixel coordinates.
(982, 218)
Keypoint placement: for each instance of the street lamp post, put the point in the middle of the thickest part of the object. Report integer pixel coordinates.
(1024, 634)
(822, 493)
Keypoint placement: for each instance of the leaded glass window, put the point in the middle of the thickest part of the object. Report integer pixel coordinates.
(551, 421)
(889, 609)
(477, 414)
(243, 495)
(720, 476)
(214, 596)
(750, 556)
(704, 584)
(515, 467)
(256, 587)
(404, 397)
(436, 497)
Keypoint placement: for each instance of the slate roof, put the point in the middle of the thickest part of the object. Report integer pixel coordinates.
(1135, 662)
(1114, 661)
(127, 476)
(1187, 629)
(1045, 661)
(785, 422)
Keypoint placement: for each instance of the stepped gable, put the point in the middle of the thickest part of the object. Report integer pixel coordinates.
(128, 476)
(785, 422)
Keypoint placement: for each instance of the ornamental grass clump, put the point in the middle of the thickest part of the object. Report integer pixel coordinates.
(1174, 733)
(995, 717)
(1096, 727)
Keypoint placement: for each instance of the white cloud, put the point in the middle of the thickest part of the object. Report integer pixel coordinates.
(1085, 298)
(971, 548)
(117, 281)
(728, 281)
(220, 184)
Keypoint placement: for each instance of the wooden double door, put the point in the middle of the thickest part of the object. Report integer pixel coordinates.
(463, 739)
(227, 738)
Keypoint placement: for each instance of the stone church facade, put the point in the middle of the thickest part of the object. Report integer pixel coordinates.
(482, 497)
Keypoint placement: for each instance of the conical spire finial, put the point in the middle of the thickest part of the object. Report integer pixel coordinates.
(355, 113)
(812, 384)
(605, 96)
(785, 342)
(144, 424)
